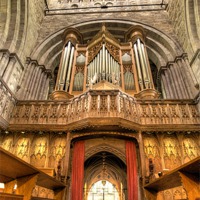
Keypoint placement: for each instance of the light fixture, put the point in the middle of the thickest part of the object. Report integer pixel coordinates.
(103, 182)
(14, 189)
(2, 186)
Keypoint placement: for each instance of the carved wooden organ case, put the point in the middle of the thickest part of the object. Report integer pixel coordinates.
(105, 64)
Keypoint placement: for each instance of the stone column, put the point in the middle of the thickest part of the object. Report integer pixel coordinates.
(190, 71)
(181, 79)
(180, 83)
(45, 87)
(168, 81)
(42, 85)
(24, 80)
(29, 79)
(9, 69)
(175, 82)
(33, 83)
(4, 62)
(38, 83)
(166, 85)
(185, 79)
(163, 89)
(45, 90)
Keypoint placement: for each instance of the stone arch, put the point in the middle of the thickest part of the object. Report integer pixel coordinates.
(52, 44)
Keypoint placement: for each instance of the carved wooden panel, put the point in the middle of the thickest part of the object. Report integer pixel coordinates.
(8, 143)
(98, 104)
(22, 148)
(42, 192)
(39, 151)
(57, 151)
(152, 151)
(190, 148)
(172, 152)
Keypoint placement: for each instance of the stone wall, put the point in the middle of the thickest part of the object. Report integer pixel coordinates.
(19, 25)
(184, 16)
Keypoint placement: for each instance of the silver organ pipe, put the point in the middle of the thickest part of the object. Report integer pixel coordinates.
(140, 80)
(100, 63)
(65, 65)
(142, 61)
(104, 66)
(109, 70)
(104, 58)
(69, 68)
(146, 63)
(142, 66)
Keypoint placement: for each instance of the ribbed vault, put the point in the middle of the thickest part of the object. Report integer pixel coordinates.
(105, 166)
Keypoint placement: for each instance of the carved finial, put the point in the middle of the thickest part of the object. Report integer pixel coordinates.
(103, 28)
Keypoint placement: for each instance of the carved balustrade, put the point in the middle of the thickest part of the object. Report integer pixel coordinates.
(7, 103)
(106, 104)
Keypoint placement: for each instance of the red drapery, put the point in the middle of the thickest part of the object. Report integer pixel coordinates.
(78, 171)
(132, 178)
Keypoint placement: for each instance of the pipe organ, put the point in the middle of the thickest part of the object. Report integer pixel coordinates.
(104, 63)
(66, 67)
(103, 67)
(142, 65)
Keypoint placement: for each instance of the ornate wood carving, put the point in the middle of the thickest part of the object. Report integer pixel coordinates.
(97, 103)
(114, 51)
(93, 51)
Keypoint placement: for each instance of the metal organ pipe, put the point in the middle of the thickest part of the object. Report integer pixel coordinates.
(146, 64)
(140, 80)
(104, 65)
(69, 69)
(142, 62)
(65, 65)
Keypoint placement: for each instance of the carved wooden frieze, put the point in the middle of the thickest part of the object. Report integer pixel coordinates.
(103, 104)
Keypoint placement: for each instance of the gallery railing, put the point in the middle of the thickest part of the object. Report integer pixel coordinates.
(106, 104)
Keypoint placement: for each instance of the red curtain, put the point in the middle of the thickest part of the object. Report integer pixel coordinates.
(78, 171)
(132, 177)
